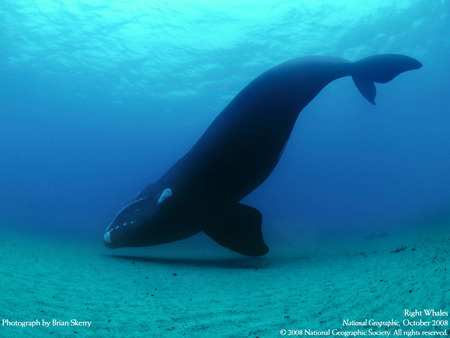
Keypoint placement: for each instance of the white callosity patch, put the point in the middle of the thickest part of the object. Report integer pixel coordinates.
(110, 226)
(164, 195)
(107, 237)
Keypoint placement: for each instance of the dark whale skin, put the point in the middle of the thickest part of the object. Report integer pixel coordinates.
(236, 153)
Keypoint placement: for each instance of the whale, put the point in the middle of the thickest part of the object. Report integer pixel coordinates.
(237, 152)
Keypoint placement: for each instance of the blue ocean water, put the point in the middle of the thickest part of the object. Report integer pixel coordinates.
(100, 98)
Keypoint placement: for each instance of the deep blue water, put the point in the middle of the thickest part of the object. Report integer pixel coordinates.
(100, 98)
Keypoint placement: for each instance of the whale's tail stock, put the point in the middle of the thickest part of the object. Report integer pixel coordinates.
(380, 68)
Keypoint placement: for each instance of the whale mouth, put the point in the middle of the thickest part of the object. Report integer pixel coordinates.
(118, 236)
(108, 240)
(127, 235)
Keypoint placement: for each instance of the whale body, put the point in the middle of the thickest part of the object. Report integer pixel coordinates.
(237, 152)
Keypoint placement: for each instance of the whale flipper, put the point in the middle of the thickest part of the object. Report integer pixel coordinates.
(381, 69)
(237, 227)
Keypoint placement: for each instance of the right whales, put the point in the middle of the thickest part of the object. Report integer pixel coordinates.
(202, 191)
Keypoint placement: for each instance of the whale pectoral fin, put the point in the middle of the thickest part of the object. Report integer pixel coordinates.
(237, 227)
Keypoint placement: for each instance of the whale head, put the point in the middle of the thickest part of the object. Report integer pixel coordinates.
(141, 222)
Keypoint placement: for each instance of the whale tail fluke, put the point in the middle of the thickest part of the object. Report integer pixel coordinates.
(380, 68)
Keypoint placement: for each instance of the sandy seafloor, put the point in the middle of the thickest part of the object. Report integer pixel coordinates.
(195, 288)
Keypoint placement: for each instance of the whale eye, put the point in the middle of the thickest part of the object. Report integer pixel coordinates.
(164, 195)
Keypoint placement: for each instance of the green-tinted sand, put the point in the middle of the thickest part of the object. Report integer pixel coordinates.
(196, 288)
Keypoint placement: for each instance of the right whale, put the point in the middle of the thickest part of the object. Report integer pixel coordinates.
(238, 151)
